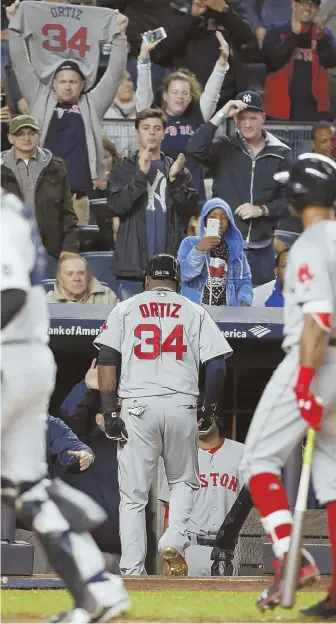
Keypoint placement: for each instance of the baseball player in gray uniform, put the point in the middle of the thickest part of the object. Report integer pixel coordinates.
(301, 392)
(159, 337)
(60, 515)
(218, 460)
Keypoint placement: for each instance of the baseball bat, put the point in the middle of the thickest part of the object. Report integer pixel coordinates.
(292, 564)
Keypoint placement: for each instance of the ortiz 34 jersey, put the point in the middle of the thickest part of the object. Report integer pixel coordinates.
(58, 32)
(219, 488)
(162, 337)
(310, 282)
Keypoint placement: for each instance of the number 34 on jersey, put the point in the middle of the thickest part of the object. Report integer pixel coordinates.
(162, 338)
(152, 344)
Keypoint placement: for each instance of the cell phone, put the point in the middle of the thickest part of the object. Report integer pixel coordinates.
(212, 228)
(3, 101)
(152, 36)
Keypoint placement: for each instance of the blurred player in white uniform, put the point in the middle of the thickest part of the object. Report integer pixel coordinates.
(218, 460)
(159, 337)
(60, 515)
(289, 403)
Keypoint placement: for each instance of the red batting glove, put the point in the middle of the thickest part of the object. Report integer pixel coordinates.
(310, 406)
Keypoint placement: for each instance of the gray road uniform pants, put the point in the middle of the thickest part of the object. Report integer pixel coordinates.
(277, 426)
(157, 426)
(198, 559)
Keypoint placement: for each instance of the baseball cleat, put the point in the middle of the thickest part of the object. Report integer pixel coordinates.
(111, 597)
(308, 574)
(104, 614)
(109, 613)
(324, 610)
(74, 616)
(177, 565)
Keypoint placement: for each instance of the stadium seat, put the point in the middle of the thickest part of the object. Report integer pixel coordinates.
(99, 209)
(127, 289)
(48, 284)
(90, 239)
(287, 237)
(50, 267)
(99, 263)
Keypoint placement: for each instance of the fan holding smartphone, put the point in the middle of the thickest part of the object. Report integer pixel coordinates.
(213, 265)
(154, 36)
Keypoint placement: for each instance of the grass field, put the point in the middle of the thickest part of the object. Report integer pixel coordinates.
(174, 606)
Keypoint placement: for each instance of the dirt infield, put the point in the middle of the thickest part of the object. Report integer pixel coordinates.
(182, 583)
(233, 583)
(236, 583)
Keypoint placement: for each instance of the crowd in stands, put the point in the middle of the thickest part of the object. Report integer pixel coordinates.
(206, 109)
(202, 100)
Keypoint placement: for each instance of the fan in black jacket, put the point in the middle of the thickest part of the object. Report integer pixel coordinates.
(154, 198)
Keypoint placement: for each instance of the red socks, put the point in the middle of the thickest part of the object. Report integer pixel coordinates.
(331, 512)
(270, 498)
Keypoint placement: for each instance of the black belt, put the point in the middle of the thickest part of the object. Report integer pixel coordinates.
(204, 541)
(79, 194)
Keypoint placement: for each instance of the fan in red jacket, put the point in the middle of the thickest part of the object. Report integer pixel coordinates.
(298, 54)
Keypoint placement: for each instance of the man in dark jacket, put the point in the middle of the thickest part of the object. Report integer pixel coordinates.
(81, 410)
(154, 199)
(66, 449)
(40, 180)
(192, 42)
(297, 54)
(243, 169)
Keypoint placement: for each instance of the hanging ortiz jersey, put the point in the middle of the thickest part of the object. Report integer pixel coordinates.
(58, 32)
(162, 338)
(310, 281)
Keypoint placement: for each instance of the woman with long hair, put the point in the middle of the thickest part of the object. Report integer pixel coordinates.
(187, 107)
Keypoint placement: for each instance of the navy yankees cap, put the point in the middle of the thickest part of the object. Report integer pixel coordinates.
(69, 65)
(253, 99)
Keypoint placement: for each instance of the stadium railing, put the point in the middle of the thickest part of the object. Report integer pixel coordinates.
(122, 132)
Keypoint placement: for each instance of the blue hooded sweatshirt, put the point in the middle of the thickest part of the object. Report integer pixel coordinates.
(194, 264)
(276, 299)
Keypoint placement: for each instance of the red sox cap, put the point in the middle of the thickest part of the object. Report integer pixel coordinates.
(69, 65)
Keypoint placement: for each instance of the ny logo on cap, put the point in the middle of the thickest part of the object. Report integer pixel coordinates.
(247, 97)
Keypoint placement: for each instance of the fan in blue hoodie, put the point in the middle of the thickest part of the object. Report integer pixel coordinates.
(214, 269)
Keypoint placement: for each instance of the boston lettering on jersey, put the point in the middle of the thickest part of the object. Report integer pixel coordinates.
(217, 479)
(159, 309)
